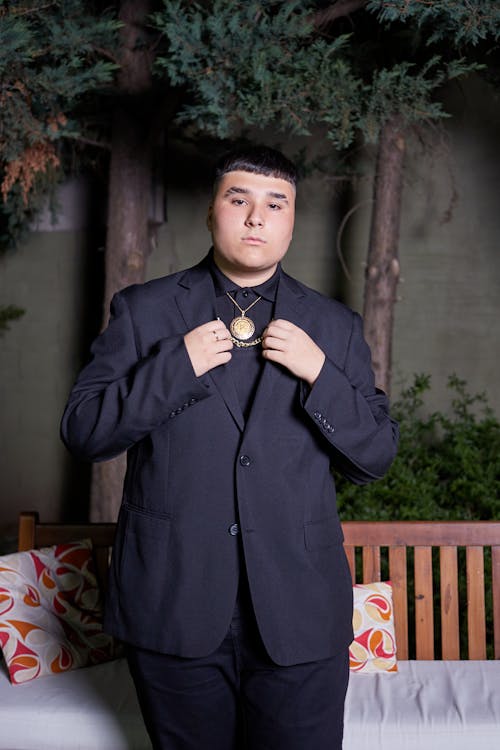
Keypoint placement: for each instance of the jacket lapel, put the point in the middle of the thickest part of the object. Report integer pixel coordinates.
(196, 303)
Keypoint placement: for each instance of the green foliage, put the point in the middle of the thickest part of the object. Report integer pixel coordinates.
(8, 313)
(464, 21)
(50, 58)
(235, 65)
(447, 467)
(254, 63)
(262, 63)
(406, 90)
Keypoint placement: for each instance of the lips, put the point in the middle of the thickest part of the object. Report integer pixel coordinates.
(251, 239)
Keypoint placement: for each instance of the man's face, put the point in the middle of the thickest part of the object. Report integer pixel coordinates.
(251, 221)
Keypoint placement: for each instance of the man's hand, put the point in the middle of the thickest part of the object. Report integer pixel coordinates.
(208, 346)
(290, 346)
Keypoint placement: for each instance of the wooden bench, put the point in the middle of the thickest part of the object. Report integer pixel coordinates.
(446, 589)
(400, 538)
(369, 540)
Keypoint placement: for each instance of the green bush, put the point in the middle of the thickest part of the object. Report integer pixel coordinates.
(447, 467)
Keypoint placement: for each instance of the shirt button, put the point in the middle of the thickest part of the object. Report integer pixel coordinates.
(245, 293)
(234, 529)
(245, 461)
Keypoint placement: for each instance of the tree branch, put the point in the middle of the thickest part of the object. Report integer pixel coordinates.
(340, 233)
(89, 141)
(27, 11)
(107, 54)
(338, 9)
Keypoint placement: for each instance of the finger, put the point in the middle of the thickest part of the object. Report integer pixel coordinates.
(276, 335)
(223, 358)
(282, 324)
(272, 342)
(223, 345)
(273, 330)
(220, 335)
(212, 325)
(280, 329)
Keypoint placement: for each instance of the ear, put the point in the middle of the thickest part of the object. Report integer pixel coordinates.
(209, 217)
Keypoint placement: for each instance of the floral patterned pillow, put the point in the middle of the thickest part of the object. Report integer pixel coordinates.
(51, 612)
(374, 646)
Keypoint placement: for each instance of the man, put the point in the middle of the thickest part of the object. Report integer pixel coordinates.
(233, 388)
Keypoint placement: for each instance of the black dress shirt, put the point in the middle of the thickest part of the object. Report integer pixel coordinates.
(246, 363)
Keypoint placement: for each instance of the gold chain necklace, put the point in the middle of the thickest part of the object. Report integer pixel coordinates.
(246, 344)
(242, 327)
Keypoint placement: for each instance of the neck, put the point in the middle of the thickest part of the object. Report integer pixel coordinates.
(252, 278)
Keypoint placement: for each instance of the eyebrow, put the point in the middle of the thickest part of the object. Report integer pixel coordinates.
(245, 191)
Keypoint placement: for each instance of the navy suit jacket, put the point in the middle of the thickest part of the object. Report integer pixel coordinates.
(194, 468)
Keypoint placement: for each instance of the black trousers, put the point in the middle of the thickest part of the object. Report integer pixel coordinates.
(238, 699)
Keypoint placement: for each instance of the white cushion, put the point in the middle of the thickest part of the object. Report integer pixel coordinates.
(439, 705)
(92, 708)
(432, 705)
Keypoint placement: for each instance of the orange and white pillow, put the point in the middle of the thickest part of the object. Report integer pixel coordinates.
(51, 612)
(374, 646)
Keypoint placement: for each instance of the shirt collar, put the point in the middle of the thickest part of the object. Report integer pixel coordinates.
(222, 284)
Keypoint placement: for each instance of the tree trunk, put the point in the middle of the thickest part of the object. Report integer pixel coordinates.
(127, 243)
(382, 269)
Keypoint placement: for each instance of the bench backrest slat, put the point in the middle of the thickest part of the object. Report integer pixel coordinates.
(495, 585)
(475, 603)
(450, 629)
(411, 533)
(399, 578)
(424, 603)
(351, 559)
(371, 564)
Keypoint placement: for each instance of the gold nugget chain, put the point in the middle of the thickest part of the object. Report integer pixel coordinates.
(246, 344)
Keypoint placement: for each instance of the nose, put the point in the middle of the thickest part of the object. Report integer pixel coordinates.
(254, 217)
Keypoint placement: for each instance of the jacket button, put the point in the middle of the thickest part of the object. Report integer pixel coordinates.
(245, 461)
(317, 415)
(234, 529)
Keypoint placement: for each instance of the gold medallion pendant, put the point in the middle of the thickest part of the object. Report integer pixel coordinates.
(242, 328)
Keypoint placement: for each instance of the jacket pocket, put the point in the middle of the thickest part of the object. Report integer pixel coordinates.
(326, 532)
(143, 544)
(145, 522)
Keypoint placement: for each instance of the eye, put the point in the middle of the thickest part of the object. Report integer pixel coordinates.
(238, 202)
(275, 206)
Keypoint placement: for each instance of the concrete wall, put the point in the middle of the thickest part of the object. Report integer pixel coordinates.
(39, 357)
(446, 322)
(447, 319)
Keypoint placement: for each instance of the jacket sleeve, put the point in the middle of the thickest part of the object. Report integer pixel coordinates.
(121, 396)
(352, 414)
